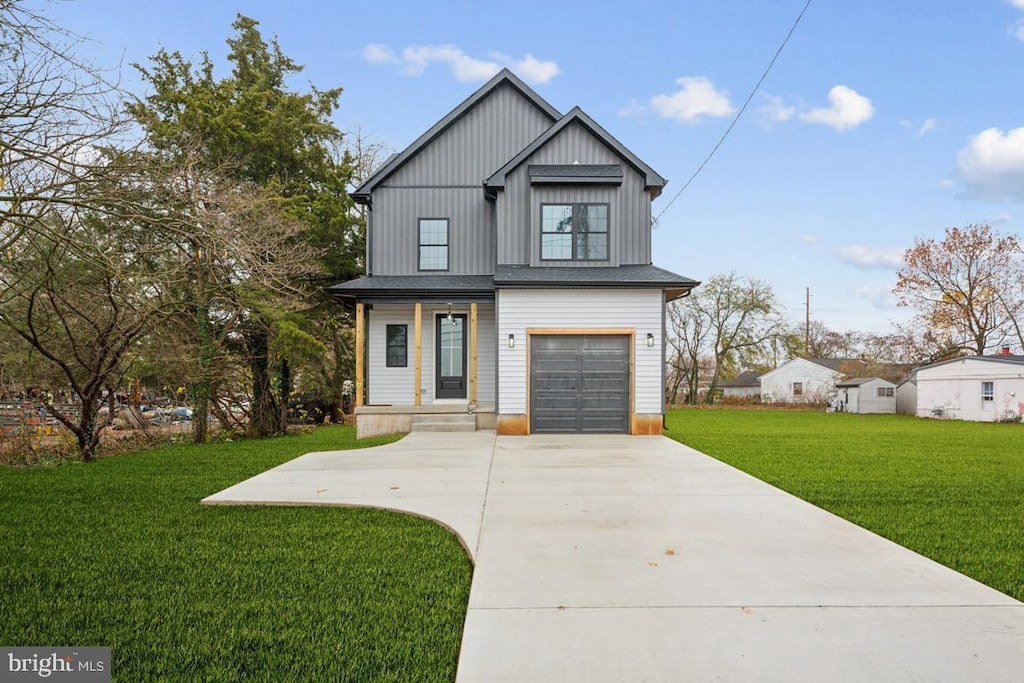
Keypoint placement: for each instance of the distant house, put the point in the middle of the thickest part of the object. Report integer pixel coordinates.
(805, 380)
(975, 388)
(744, 385)
(906, 397)
(867, 395)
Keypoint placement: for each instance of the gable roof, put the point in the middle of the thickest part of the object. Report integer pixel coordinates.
(750, 378)
(834, 363)
(857, 381)
(999, 358)
(503, 77)
(651, 178)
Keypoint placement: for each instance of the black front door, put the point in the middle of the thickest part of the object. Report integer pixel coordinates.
(450, 342)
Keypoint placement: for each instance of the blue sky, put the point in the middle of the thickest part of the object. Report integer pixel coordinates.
(882, 121)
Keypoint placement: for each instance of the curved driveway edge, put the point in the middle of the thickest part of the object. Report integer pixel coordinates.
(615, 558)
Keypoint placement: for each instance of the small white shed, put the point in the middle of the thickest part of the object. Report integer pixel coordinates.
(867, 395)
(906, 397)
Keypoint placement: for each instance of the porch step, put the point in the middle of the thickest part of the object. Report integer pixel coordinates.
(444, 422)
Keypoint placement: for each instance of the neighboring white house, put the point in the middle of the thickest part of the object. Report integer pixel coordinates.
(804, 380)
(744, 385)
(867, 395)
(976, 388)
(906, 397)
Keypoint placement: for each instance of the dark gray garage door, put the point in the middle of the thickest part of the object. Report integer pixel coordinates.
(579, 383)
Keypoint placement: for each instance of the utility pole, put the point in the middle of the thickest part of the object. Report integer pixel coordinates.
(807, 325)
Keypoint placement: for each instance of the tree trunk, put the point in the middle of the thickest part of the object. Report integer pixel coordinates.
(265, 416)
(285, 394)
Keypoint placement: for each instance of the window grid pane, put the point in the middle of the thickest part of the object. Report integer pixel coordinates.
(988, 391)
(574, 232)
(433, 244)
(397, 353)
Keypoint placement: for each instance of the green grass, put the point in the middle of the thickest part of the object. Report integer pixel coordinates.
(120, 553)
(952, 491)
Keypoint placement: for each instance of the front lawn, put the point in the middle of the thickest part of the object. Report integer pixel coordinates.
(120, 553)
(953, 491)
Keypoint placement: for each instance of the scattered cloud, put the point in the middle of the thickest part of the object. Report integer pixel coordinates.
(880, 297)
(416, 59)
(926, 127)
(871, 258)
(946, 183)
(634, 108)
(1019, 4)
(1017, 29)
(847, 109)
(774, 110)
(809, 239)
(1000, 219)
(696, 97)
(992, 164)
(379, 54)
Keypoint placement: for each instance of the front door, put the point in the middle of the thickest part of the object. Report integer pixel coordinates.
(450, 342)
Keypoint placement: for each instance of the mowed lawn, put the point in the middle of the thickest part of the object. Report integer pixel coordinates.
(952, 491)
(120, 553)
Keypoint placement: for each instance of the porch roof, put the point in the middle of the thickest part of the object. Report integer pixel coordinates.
(416, 288)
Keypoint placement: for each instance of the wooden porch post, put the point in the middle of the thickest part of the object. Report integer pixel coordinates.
(472, 353)
(360, 353)
(417, 382)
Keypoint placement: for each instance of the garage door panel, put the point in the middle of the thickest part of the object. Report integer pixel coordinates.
(579, 383)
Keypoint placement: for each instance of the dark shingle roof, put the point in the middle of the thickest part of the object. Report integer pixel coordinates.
(834, 363)
(857, 381)
(595, 276)
(405, 285)
(602, 174)
(744, 379)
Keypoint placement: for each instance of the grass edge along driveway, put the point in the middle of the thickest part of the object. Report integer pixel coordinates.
(120, 553)
(952, 491)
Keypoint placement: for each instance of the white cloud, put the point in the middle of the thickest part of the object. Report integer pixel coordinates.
(774, 110)
(847, 109)
(416, 59)
(871, 257)
(992, 164)
(379, 54)
(926, 127)
(1019, 4)
(880, 297)
(1000, 219)
(696, 97)
(1017, 30)
(809, 239)
(946, 183)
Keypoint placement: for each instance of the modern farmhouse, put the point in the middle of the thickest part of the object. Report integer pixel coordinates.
(509, 276)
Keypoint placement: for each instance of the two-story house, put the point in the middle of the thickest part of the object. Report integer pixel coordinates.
(509, 275)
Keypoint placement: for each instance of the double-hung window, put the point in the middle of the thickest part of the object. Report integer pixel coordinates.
(433, 244)
(884, 392)
(574, 232)
(988, 393)
(798, 389)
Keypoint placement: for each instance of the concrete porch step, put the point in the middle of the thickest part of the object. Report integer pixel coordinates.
(444, 422)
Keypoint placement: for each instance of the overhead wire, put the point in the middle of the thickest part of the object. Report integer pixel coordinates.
(728, 130)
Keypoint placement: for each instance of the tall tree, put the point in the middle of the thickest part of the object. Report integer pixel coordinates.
(731, 319)
(268, 134)
(966, 286)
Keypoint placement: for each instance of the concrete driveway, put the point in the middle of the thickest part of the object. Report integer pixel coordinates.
(616, 558)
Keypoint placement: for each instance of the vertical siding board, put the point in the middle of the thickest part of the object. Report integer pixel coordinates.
(579, 309)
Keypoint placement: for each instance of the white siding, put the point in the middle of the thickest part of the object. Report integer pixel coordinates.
(953, 390)
(906, 398)
(583, 310)
(394, 386)
(819, 383)
(864, 399)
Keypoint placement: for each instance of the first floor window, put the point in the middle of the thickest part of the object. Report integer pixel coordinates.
(433, 244)
(798, 388)
(988, 392)
(397, 346)
(574, 232)
(883, 392)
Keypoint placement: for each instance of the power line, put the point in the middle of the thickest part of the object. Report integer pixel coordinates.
(739, 113)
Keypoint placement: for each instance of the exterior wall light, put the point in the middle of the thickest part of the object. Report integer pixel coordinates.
(511, 341)
(650, 340)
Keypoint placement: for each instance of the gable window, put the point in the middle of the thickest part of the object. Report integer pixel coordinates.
(397, 346)
(884, 392)
(988, 392)
(433, 244)
(574, 232)
(798, 388)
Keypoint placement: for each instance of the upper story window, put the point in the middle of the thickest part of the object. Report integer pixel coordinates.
(433, 244)
(574, 232)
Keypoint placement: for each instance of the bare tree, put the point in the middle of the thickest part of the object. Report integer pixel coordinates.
(730, 319)
(967, 286)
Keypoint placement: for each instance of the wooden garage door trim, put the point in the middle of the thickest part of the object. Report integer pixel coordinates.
(578, 331)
